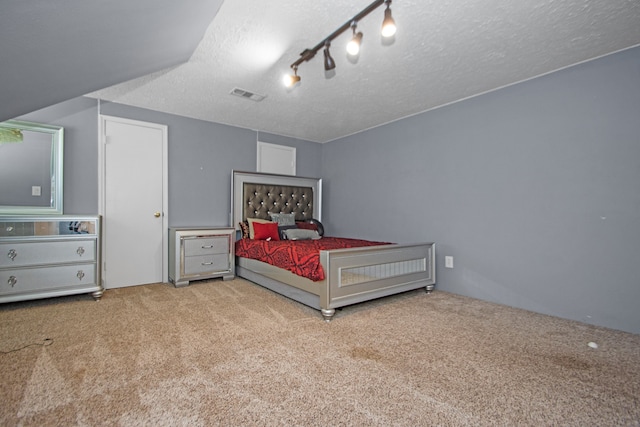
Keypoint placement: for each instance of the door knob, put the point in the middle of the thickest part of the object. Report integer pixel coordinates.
(157, 214)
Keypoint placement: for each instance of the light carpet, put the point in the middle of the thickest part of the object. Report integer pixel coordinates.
(235, 354)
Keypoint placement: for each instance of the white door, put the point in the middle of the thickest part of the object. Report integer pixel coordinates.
(273, 158)
(133, 202)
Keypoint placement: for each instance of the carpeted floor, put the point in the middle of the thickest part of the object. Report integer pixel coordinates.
(235, 354)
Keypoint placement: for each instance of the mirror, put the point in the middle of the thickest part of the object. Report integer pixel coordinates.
(31, 157)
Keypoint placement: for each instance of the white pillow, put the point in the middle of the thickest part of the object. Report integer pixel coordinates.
(301, 234)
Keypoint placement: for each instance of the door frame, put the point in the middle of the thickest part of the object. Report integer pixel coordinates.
(165, 183)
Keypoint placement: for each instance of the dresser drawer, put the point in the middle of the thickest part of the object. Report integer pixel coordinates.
(15, 281)
(206, 264)
(46, 252)
(206, 245)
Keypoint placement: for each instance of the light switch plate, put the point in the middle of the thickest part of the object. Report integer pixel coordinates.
(448, 261)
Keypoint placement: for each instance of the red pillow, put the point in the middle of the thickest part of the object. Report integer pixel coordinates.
(306, 225)
(265, 231)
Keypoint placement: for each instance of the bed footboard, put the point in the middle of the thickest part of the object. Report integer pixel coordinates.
(361, 274)
(352, 275)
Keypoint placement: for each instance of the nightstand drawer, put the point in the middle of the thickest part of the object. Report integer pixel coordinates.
(206, 245)
(206, 264)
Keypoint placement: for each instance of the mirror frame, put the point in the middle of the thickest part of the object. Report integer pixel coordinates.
(57, 158)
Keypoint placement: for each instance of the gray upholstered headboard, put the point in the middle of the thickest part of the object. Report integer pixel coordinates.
(258, 200)
(255, 195)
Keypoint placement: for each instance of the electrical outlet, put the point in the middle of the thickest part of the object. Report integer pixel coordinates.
(36, 190)
(448, 261)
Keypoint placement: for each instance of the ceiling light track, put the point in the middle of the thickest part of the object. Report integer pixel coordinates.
(388, 30)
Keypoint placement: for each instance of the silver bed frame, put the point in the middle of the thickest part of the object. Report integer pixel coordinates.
(351, 275)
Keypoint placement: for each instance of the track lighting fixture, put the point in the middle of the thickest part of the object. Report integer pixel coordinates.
(353, 47)
(388, 24)
(329, 63)
(290, 80)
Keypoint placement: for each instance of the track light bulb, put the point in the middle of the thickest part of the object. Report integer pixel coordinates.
(388, 24)
(353, 47)
(290, 80)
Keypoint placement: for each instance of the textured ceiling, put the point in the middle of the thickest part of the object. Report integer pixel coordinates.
(444, 51)
(51, 51)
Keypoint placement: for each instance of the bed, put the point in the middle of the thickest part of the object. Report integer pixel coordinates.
(350, 275)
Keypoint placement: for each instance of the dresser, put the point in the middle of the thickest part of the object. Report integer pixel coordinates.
(200, 253)
(43, 257)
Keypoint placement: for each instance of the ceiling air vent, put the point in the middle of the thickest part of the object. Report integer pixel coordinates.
(246, 94)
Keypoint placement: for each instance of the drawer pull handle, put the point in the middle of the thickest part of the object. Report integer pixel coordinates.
(207, 247)
(80, 251)
(12, 281)
(12, 254)
(207, 263)
(80, 274)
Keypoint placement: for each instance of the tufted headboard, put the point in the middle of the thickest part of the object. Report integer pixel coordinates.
(255, 195)
(260, 199)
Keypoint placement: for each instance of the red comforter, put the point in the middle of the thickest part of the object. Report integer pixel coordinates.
(301, 257)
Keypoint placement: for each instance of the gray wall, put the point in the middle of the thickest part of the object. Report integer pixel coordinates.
(201, 157)
(533, 189)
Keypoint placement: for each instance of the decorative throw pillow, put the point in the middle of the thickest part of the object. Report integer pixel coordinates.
(283, 228)
(254, 221)
(306, 225)
(300, 234)
(318, 225)
(265, 231)
(283, 219)
(311, 224)
(244, 228)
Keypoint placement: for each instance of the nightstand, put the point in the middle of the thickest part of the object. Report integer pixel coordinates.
(200, 253)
